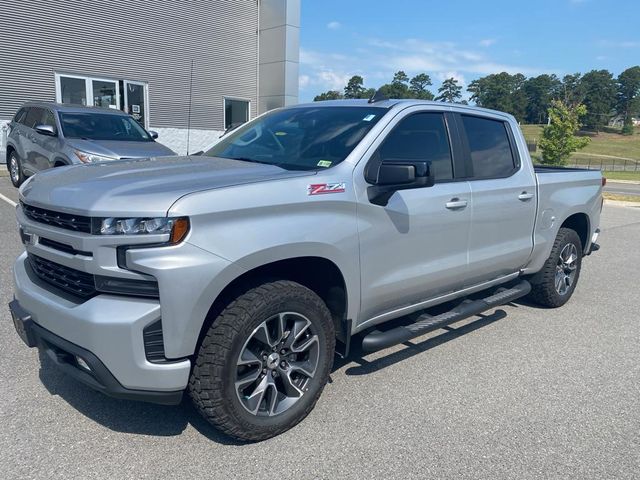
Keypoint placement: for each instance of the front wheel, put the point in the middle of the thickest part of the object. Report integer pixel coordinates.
(15, 169)
(554, 284)
(264, 362)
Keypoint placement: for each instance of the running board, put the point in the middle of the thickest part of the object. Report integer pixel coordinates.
(425, 323)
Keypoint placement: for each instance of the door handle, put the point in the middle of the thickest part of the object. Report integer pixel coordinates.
(455, 203)
(524, 196)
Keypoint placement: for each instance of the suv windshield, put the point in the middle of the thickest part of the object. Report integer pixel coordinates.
(305, 138)
(102, 126)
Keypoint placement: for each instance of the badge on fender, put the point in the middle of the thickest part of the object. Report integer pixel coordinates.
(322, 188)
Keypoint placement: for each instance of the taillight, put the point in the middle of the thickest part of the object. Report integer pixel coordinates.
(604, 181)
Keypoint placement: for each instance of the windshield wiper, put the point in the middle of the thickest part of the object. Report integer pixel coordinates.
(245, 159)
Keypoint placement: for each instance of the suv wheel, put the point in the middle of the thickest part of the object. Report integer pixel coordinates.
(264, 362)
(15, 169)
(555, 283)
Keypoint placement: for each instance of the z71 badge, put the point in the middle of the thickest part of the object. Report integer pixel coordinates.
(322, 188)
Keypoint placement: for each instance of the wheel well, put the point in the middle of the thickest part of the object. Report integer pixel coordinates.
(59, 163)
(316, 273)
(9, 150)
(579, 222)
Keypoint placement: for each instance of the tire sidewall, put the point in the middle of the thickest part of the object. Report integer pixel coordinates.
(14, 157)
(568, 237)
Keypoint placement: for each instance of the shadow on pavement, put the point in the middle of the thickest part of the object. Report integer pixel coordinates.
(127, 416)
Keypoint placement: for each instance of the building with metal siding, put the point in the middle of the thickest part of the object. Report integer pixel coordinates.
(185, 68)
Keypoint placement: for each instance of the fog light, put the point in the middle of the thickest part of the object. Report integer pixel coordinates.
(82, 363)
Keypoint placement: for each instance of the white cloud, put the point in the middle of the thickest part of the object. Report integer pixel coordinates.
(331, 71)
(620, 43)
(487, 42)
(334, 25)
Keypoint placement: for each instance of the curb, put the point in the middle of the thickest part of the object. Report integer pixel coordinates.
(619, 203)
(3, 171)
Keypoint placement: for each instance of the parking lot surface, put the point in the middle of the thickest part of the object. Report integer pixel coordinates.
(520, 393)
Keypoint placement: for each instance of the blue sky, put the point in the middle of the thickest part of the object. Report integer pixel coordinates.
(463, 39)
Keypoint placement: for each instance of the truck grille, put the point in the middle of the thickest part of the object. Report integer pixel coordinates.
(68, 279)
(67, 221)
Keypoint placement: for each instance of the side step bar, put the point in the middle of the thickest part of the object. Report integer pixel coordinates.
(425, 323)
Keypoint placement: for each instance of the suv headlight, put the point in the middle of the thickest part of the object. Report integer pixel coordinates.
(177, 228)
(92, 157)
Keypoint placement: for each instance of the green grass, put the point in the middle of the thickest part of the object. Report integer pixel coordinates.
(621, 198)
(623, 175)
(604, 143)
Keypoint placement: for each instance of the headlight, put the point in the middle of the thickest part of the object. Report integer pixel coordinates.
(176, 227)
(91, 157)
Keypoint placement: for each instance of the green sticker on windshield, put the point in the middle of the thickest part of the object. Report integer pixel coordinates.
(324, 163)
(280, 134)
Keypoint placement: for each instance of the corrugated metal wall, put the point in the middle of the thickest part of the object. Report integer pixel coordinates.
(146, 40)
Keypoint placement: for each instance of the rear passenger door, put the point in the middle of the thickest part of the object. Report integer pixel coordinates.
(503, 203)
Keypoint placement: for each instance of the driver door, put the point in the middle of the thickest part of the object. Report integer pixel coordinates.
(416, 247)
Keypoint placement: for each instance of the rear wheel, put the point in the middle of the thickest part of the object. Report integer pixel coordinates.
(264, 362)
(554, 284)
(15, 169)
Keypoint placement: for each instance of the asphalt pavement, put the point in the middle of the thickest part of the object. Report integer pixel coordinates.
(620, 188)
(519, 393)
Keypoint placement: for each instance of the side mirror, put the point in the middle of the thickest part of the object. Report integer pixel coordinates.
(46, 130)
(399, 175)
(153, 134)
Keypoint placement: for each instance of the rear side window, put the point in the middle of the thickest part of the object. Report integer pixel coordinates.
(34, 117)
(421, 136)
(491, 154)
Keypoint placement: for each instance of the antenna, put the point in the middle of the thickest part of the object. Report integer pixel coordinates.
(378, 96)
(189, 114)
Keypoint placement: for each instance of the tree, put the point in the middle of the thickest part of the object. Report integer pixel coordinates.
(418, 86)
(400, 78)
(628, 98)
(539, 92)
(572, 89)
(398, 88)
(500, 91)
(599, 98)
(354, 88)
(558, 140)
(329, 95)
(449, 91)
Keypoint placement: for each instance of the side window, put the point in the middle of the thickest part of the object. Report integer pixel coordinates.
(20, 116)
(49, 119)
(491, 155)
(34, 116)
(421, 136)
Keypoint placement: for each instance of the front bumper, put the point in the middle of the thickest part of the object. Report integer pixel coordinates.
(80, 363)
(106, 331)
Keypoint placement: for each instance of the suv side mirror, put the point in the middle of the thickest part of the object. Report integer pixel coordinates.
(46, 130)
(399, 175)
(153, 134)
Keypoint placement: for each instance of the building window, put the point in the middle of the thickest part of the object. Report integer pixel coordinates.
(236, 112)
(126, 95)
(72, 90)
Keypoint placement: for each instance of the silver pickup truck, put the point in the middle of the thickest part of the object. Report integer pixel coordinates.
(235, 275)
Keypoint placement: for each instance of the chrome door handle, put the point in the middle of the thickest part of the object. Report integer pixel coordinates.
(524, 196)
(455, 203)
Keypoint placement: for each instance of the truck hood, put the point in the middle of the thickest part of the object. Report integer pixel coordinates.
(141, 187)
(120, 149)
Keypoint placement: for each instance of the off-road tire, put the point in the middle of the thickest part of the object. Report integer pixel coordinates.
(212, 380)
(18, 179)
(543, 288)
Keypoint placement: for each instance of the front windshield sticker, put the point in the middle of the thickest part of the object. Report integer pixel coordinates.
(324, 163)
(322, 188)
(368, 118)
(281, 134)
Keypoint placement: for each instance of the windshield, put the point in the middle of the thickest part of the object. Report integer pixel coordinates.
(306, 138)
(102, 126)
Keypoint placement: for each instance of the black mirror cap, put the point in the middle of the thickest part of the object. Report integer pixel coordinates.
(399, 175)
(46, 130)
(153, 134)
